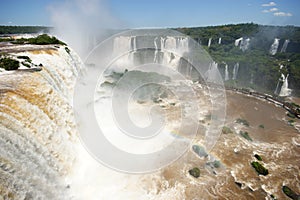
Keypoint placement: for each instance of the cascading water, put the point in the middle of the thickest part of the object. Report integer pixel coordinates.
(284, 46)
(130, 44)
(212, 73)
(220, 40)
(274, 46)
(244, 44)
(235, 71)
(279, 83)
(285, 91)
(226, 73)
(41, 157)
(238, 41)
(209, 42)
(37, 128)
(251, 79)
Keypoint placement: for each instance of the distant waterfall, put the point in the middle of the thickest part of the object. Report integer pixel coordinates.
(220, 40)
(226, 73)
(244, 45)
(274, 46)
(235, 71)
(285, 91)
(279, 84)
(159, 54)
(237, 41)
(209, 42)
(284, 46)
(213, 73)
(251, 79)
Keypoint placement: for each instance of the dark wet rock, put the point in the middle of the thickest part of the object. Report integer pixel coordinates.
(238, 184)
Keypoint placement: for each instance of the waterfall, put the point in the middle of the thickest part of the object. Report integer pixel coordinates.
(244, 44)
(226, 73)
(279, 82)
(209, 42)
(284, 46)
(251, 79)
(160, 55)
(278, 86)
(235, 71)
(156, 50)
(285, 91)
(274, 46)
(237, 41)
(220, 40)
(133, 38)
(212, 75)
(125, 44)
(37, 129)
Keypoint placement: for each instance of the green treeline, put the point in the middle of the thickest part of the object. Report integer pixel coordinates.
(23, 29)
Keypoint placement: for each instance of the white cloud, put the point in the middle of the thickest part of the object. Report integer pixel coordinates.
(272, 3)
(282, 14)
(273, 9)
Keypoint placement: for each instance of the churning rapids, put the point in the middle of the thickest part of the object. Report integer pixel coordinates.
(41, 156)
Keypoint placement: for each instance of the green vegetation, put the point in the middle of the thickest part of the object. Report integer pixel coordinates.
(23, 57)
(226, 130)
(216, 163)
(39, 40)
(259, 168)
(261, 126)
(291, 122)
(23, 29)
(242, 121)
(67, 50)
(291, 115)
(258, 157)
(26, 64)
(45, 39)
(26, 58)
(245, 135)
(290, 193)
(9, 63)
(195, 172)
(272, 196)
(255, 63)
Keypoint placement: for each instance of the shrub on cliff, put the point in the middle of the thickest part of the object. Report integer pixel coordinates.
(9, 63)
(45, 39)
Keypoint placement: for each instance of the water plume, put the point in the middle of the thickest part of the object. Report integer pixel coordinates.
(82, 23)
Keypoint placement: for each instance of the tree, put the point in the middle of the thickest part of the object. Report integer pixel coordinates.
(9, 63)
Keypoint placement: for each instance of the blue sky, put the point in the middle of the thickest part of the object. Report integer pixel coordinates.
(161, 13)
